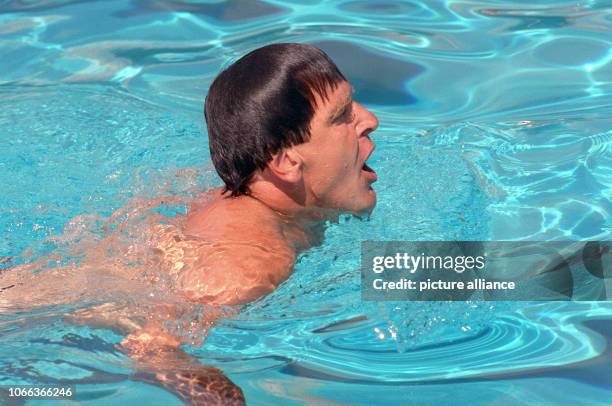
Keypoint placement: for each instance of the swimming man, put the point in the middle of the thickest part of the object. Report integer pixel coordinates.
(291, 146)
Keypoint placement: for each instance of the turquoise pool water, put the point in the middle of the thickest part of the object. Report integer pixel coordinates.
(495, 125)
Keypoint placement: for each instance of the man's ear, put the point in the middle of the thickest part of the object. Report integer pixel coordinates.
(286, 165)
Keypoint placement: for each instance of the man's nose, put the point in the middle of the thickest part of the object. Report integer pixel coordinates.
(367, 121)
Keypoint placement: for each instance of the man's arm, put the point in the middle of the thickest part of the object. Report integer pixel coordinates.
(236, 273)
(159, 360)
(157, 356)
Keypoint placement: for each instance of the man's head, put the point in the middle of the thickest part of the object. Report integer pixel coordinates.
(284, 114)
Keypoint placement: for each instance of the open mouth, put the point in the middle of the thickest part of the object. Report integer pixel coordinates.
(367, 168)
(370, 173)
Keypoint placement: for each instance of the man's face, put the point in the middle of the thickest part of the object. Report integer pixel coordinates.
(335, 174)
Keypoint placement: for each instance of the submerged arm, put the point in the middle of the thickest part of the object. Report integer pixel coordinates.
(157, 356)
(247, 274)
(159, 360)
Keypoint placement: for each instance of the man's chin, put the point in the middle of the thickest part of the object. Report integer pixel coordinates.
(365, 205)
(360, 205)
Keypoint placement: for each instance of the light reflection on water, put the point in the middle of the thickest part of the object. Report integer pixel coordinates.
(494, 125)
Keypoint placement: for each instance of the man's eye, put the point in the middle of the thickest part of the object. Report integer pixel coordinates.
(348, 115)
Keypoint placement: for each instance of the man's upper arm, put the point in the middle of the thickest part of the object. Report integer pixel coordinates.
(235, 273)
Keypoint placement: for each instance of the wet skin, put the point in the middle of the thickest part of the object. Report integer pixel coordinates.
(255, 239)
(247, 245)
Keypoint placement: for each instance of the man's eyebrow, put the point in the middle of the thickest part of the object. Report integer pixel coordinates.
(338, 112)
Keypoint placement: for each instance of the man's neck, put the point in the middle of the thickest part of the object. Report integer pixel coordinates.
(303, 225)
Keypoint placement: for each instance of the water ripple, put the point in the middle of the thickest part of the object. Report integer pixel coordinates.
(544, 337)
(465, 74)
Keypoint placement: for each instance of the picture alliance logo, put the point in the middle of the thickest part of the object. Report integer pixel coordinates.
(490, 270)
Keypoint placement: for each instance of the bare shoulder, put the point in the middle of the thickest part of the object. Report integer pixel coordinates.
(245, 257)
(222, 217)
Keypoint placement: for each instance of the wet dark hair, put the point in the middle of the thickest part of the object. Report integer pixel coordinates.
(262, 103)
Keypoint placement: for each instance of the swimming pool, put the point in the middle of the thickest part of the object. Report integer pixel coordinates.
(495, 125)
